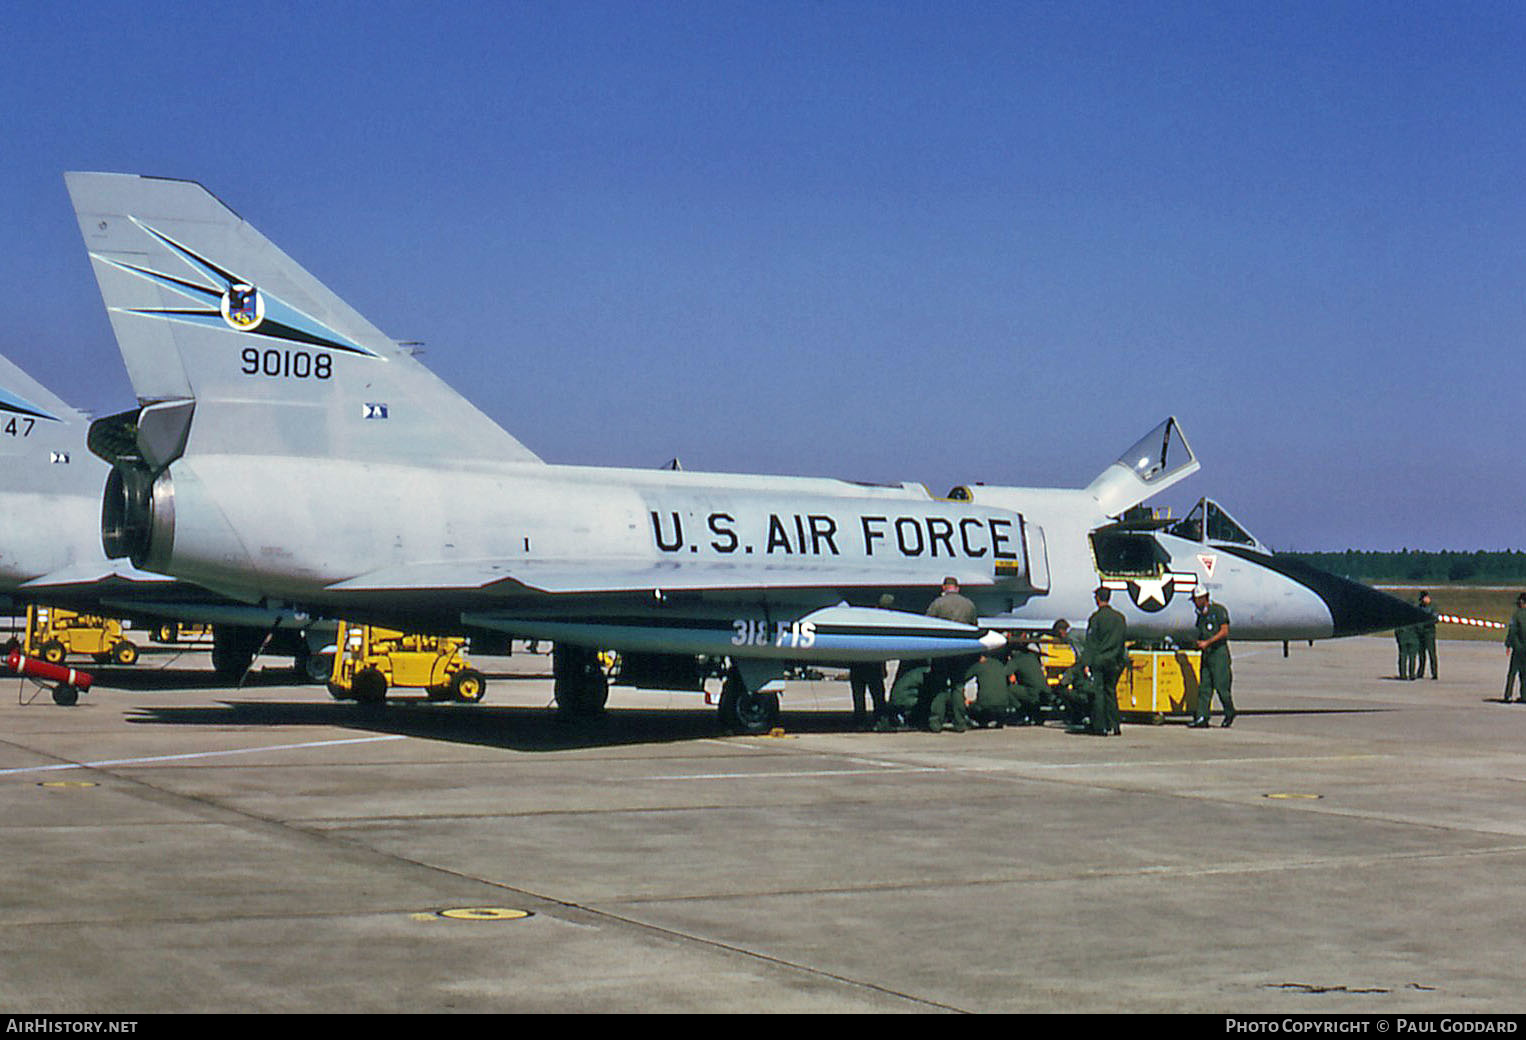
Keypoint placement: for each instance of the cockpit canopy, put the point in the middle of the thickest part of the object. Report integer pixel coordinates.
(1209, 522)
(1158, 454)
(1155, 462)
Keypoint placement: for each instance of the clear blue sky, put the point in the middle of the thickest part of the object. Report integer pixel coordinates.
(937, 242)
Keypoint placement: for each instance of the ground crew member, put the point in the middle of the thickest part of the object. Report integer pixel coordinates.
(1427, 632)
(1409, 651)
(1079, 692)
(1060, 633)
(906, 694)
(1105, 655)
(1070, 691)
(1215, 673)
(993, 692)
(867, 677)
(1515, 643)
(949, 674)
(1028, 685)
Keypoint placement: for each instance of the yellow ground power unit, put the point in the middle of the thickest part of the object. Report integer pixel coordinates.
(1157, 683)
(1160, 682)
(53, 633)
(369, 661)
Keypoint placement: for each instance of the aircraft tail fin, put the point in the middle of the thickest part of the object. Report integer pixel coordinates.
(42, 438)
(50, 486)
(216, 322)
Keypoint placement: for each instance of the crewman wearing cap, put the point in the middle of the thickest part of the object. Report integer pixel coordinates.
(1215, 673)
(949, 674)
(1105, 655)
(1427, 632)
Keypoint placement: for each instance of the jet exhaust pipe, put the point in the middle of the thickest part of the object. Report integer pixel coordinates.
(138, 509)
(138, 516)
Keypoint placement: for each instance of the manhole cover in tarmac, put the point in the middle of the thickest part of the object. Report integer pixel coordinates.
(484, 913)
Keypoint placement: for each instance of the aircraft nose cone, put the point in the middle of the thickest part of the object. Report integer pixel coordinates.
(1354, 608)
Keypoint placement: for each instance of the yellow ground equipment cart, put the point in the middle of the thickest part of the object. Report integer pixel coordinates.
(369, 661)
(1158, 682)
(53, 633)
(177, 632)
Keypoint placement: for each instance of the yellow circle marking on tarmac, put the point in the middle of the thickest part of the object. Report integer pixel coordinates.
(68, 783)
(485, 913)
(1291, 795)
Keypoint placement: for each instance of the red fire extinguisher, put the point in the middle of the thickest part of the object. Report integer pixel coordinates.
(68, 683)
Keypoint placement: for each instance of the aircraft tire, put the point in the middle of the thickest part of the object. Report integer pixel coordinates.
(745, 712)
(581, 688)
(230, 663)
(369, 686)
(233, 650)
(310, 666)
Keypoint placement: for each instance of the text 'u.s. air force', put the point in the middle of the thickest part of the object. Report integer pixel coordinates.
(821, 534)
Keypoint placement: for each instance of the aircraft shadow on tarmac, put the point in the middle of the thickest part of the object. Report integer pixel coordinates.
(514, 728)
(534, 729)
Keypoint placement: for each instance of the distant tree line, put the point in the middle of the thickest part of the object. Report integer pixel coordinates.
(1414, 567)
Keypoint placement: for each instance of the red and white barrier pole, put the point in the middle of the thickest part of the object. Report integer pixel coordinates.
(1454, 619)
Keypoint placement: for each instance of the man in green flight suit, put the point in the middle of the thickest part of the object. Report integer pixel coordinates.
(1008, 687)
(1515, 643)
(1105, 655)
(993, 691)
(1215, 673)
(1029, 684)
(949, 674)
(1409, 651)
(906, 695)
(1426, 630)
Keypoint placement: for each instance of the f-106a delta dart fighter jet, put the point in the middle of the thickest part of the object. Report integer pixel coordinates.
(287, 451)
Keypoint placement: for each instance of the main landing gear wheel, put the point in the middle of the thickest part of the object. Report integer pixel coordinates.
(743, 711)
(233, 650)
(581, 687)
(318, 668)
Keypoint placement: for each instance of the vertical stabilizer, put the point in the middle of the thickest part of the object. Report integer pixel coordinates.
(50, 485)
(42, 440)
(207, 310)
